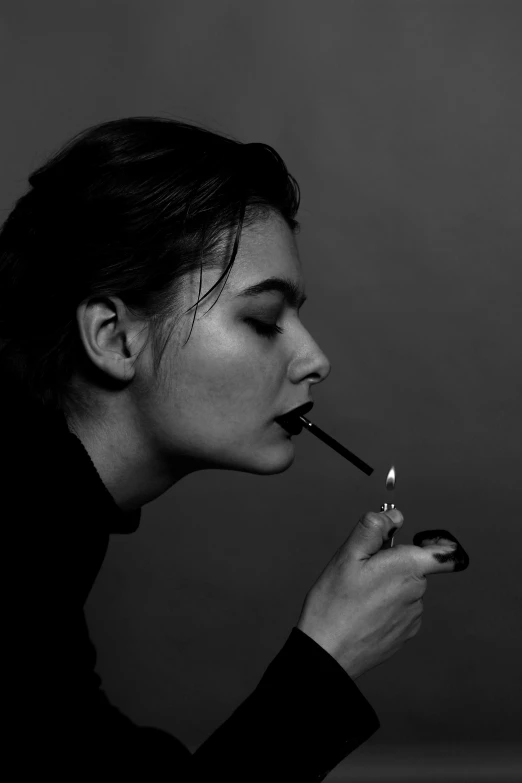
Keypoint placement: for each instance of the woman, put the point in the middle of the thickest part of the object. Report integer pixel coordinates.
(116, 385)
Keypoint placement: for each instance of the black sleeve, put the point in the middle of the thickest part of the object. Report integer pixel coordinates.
(304, 717)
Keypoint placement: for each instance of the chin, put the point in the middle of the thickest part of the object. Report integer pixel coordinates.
(262, 461)
(269, 463)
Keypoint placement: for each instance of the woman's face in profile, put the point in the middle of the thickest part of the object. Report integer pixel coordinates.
(227, 384)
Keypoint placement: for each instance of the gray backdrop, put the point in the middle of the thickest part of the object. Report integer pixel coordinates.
(402, 123)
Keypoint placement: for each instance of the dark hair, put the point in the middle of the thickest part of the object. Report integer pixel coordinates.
(126, 208)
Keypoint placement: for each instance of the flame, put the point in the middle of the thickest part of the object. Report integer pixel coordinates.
(390, 479)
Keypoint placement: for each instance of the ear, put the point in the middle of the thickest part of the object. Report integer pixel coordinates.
(111, 335)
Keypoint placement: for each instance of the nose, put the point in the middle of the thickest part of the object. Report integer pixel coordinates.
(322, 367)
(313, 365)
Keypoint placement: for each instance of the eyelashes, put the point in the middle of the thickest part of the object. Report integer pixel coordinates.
(266, 330)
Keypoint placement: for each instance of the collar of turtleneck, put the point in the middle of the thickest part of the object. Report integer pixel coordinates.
(46, 460)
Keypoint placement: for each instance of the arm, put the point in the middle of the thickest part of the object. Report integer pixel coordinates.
(303, 718)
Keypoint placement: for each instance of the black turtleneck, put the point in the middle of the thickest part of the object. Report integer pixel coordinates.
(305, 715)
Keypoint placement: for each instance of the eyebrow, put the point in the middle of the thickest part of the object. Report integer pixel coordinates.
(291, 292)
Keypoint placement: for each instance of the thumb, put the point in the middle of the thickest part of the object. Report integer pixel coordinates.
(371, 531)
(438, 552)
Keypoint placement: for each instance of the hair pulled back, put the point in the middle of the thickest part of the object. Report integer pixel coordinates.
(126, 208)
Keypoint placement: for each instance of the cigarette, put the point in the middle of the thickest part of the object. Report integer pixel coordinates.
(340, 449)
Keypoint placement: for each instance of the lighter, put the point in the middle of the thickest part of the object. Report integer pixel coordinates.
(390, 486)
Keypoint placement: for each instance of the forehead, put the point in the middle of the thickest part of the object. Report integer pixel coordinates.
(267, 249)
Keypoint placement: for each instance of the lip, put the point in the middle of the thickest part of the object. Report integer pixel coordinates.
(292, 427)
(300, 410)
(290, 420)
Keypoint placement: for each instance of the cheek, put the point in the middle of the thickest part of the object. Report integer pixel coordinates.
(226, 371)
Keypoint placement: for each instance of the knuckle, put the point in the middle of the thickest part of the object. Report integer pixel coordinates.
(395, 515)
(372, 519)
(418, 580)
(422, 586)
(414, 630)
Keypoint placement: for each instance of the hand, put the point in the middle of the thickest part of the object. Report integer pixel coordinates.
(367, 603)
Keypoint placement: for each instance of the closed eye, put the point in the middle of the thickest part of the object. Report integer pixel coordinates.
(267, 330)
